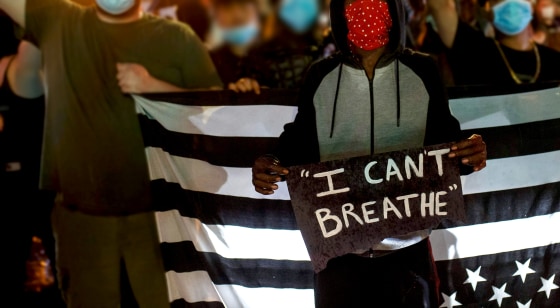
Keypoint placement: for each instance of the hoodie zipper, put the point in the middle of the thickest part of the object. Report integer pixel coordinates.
(372, 114)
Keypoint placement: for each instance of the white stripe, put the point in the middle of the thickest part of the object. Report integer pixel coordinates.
(513, 173)
(225, 121)
(232, 242)
(495, 238)
(500, 174)
(196, 287)
(504, 110)
(237, 296)
(197, 175)
(192, 286)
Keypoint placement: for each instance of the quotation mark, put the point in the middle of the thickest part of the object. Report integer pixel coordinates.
(454, 187)
(304, 174)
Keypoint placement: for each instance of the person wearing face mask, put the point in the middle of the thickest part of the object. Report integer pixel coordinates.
(373, 96)
(239, 26)
(511, 58)
(547, 29)
(291, 42)
(93, 152)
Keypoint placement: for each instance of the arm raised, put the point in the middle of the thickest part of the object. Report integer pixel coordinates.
(446, 17)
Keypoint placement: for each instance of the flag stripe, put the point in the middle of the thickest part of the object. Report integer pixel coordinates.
(505, 110)
(499, 237)
(250, 273)
(453, 243)
(212, 209)
(232, 241)
(223, 121)
(219, 151)
(500, 174)
(520, 140)
(513, 173)
(507, 141)
(277, 97)
(216, 209)
(234, 295)
(510, 204)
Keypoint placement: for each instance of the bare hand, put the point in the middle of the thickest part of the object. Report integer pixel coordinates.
(133, 78)
(266, 173)
(245, 85)
(472, 152)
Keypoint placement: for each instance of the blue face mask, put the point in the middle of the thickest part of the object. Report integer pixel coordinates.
(299, 15)
(241, 36)
(116, 7)
(512, 16)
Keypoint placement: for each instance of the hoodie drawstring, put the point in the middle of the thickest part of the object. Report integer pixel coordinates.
(336, 98)
(398, 92)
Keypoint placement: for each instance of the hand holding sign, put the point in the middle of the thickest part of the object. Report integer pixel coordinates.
(350, 205)
(266, 173)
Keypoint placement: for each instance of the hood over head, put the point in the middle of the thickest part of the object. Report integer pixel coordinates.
(397, 35)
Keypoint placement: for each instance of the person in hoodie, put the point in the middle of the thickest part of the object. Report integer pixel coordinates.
(373, 96)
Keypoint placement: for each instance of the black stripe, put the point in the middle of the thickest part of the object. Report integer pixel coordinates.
(181, 303)
(499, 269)
(280, 97)
(502, 142)
(220, 151)
(288, 97)
(251, 273)
(214, 209)
(521, 139)
(510, 205)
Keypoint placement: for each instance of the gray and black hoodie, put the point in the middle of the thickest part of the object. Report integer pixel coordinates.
(343, 114)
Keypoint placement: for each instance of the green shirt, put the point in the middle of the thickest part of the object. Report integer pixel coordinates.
(93, 151)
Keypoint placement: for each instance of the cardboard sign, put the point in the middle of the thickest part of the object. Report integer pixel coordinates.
(348, 206)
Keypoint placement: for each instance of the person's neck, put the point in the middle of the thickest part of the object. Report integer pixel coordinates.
(132, 16)
(521, 42)
(369, 60)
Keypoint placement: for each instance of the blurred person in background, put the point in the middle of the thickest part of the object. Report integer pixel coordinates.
(195, 13)
(547, 26)
(239, 25)
(292, 40)
(93, 153)
(513, 57)
(27, 208)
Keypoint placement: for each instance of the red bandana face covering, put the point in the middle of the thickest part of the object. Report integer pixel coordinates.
(369, 23)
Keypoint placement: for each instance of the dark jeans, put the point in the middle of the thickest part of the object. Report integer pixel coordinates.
(405, 278)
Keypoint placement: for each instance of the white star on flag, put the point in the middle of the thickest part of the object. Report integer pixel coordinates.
(528, 305)
(499, 294)
(474, 278)
(450, 301)
(548, 285)
(523, 270)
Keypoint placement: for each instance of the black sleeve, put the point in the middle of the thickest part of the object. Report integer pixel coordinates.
(441, 125)
(299, 142)
(468, 56)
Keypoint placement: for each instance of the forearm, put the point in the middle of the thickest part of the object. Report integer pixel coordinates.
(446, 17)
(15, 9)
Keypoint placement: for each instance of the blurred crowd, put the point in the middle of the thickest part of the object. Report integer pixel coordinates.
(273, 41)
